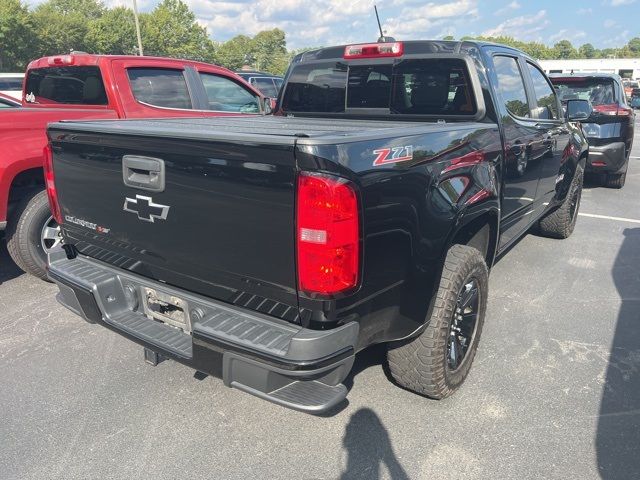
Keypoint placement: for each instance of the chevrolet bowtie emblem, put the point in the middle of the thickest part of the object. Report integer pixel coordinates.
(145, 209)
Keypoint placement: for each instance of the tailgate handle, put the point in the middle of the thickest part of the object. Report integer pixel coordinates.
(145, 173)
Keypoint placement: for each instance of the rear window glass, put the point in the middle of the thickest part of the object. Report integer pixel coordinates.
(599, 91)
(161, 87)
(439, 87)
(11, 83)
(67, 85)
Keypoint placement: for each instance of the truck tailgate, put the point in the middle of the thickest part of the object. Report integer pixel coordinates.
(222, 226)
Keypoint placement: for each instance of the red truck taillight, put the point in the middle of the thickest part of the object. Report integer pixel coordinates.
(50, 184)
(327, 234)
(373, 50)
(613, 109)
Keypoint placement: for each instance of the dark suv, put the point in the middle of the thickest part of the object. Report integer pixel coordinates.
(609, 128)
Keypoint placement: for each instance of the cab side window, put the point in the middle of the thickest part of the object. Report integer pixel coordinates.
(511, 86)
(545, 95)
(225, 95)
(161, 87)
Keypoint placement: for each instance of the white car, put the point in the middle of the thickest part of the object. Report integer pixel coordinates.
(11, 84)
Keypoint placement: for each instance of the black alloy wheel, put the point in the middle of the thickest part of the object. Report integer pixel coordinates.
(463, 324)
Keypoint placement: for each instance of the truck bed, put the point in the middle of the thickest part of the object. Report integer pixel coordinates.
(320, 130)
(228, 227)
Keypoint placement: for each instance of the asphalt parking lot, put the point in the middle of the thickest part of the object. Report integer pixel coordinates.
(554, 392)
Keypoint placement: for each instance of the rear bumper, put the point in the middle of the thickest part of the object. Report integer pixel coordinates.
(284, 363)
(610, 158)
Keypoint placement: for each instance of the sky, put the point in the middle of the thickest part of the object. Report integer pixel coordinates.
(308, 23)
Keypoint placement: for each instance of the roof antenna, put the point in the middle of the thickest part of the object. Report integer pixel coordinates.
(382, 38)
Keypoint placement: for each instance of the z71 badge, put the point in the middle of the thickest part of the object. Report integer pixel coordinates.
(393, 155)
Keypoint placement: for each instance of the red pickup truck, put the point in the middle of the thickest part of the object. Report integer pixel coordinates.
(82, 86)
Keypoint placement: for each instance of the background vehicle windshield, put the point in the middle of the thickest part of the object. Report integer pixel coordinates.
(439, 87)
(599, 91)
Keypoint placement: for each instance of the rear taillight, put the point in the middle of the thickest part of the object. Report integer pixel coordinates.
(327, 234)
(50, 184)
(612, 109)
(374, 50)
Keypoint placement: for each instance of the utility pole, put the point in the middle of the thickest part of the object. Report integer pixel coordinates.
(135, 15)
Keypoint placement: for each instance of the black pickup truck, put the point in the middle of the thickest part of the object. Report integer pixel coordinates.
(368, 209)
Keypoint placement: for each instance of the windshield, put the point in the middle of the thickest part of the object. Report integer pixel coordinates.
(440, 87)
(599, 91)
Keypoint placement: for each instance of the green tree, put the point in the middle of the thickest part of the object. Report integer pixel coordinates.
(588, 51)
(448, 37)
(564, 49)
(113, 33)
(269, 49)
(634, 46)
(17, 36)
(171, 30)
(537, 50)
(235, 53)
(62, 26)
(90, 9)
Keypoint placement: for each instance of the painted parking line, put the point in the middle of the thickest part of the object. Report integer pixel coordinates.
(607, 217)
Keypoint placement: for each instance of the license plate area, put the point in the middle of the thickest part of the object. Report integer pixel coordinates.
(167, 309)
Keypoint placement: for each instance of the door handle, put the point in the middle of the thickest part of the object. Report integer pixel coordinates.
(145, 173)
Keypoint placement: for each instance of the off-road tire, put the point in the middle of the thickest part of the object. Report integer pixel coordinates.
(561, 221)
(616, 180)
(420, 364)
(24, 230)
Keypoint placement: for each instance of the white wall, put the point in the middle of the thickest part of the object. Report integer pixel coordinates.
(605, 65)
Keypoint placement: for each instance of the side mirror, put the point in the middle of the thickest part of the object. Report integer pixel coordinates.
(578, 110)
(268, 105)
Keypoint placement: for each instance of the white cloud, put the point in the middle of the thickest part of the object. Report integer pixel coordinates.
(618, 3)
(522, 27)
(584, 11)
(508, 8)
(608, 23)
(564, 34)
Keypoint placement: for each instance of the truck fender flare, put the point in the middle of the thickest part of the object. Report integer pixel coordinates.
(468, 220)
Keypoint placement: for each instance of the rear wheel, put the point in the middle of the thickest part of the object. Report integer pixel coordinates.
(31, 233)
(561, 222)
(437, 362)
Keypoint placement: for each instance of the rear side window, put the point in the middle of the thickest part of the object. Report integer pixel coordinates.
(266, 86)
(161, 87)
(66, 85)
(511, 86)
(545, 95)
(225, 95)
(440, 87)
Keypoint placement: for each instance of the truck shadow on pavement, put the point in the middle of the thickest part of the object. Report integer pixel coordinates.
(618, 434)
(8, 269)
(368, 447)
